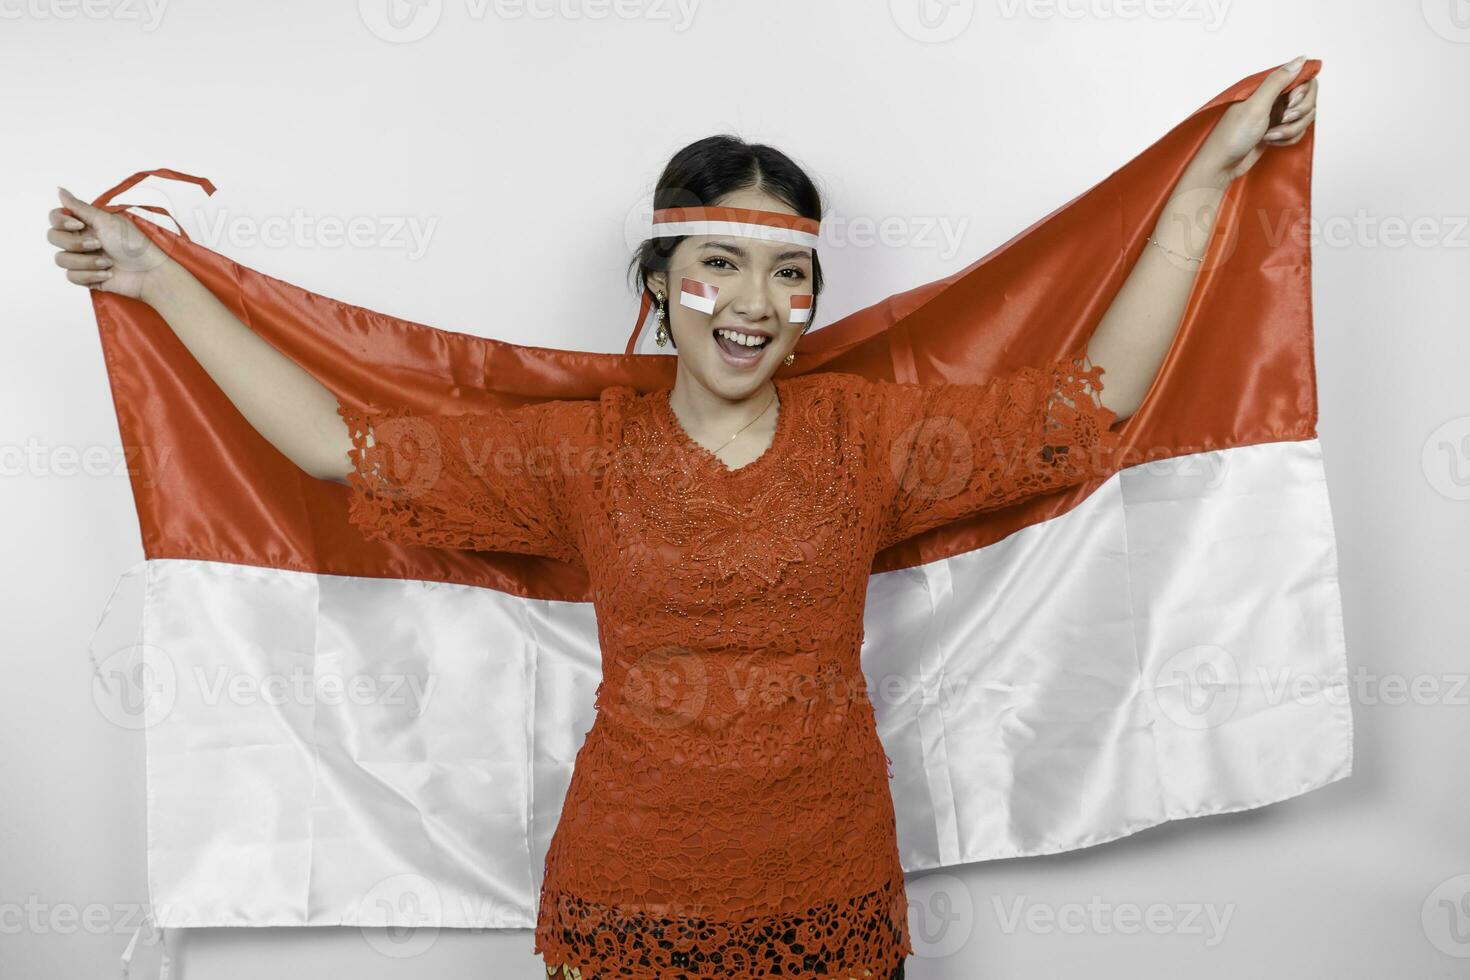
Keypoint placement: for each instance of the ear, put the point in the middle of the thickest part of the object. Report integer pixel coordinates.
(658, 283)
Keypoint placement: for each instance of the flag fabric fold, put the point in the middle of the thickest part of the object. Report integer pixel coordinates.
(351, 731)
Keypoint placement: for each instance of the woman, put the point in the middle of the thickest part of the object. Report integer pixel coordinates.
(728, 814)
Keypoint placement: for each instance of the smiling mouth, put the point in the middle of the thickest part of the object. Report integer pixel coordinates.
(737, 350)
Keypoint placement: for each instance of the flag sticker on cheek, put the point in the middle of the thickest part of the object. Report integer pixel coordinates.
(801, 309)
(698, 295)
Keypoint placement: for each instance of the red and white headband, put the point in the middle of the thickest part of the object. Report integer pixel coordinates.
(771, 226)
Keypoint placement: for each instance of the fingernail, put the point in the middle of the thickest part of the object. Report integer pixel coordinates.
(1290, 115)
(104, 263)
(107, 274)
(1273, 135)
(73, 224)
(90, 243)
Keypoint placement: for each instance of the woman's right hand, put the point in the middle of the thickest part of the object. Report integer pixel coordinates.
(101, 249)
(285, 403)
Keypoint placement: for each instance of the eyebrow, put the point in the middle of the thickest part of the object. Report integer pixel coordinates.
(799, 253)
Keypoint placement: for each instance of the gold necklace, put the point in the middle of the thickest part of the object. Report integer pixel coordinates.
(751, 422)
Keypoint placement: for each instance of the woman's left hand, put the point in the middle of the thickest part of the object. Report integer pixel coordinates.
(1246, 130)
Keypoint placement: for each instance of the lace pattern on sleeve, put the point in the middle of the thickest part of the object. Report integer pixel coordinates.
(487, 480)
(950, 450)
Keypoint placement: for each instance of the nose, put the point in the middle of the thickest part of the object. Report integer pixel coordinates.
(753, 299)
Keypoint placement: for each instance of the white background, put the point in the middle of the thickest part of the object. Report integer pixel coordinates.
(523, 140)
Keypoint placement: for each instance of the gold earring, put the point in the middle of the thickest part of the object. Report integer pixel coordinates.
(661, 334)
(792, 356)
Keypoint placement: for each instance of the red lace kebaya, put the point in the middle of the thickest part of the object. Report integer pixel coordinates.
(729, 813)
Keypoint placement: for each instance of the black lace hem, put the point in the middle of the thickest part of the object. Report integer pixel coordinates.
(865, 938)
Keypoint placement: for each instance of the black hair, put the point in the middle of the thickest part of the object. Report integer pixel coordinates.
(707, 170)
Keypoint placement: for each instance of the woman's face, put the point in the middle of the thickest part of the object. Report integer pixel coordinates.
(756, 280)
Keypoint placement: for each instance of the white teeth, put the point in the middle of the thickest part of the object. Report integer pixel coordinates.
(741, 338)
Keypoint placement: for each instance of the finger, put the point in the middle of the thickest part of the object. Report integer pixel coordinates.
(1275, 82)
(1289, 133)
(79, 207)
(74, 241)
(60, 219)
(84, 277)
(90, 260)
(1298, 126)
(1303, 105)
(1282, 135)
(1301, 91)
(1305, 121)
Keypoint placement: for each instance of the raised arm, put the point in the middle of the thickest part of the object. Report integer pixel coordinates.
(294, 412)
(488, 479)
(1135, 333)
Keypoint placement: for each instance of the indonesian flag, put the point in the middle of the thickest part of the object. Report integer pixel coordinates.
(349, 731)
(801, 308)
(698, 295)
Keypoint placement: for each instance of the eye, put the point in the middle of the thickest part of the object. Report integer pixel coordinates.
(800, 275)
(715, 258)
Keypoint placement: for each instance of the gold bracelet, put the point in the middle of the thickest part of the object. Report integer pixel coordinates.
(1191, 258)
